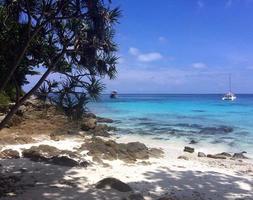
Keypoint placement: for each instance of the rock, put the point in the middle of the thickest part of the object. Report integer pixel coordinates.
(157, 153)
(240, 155)
(89, 123)
(215, 130)
(101, 130)
(114, 184)
(110, 150)
(201, 154)
(166, 198)
(183, 157)
(189, 149)
(104, 120)
(224, 154)
(9, 153)
(139, 150)
(135, 196)
(215, 156)
(52, 155)
(41, 152)
(10, 139)
(193, 142)
(15, 120)
(90, 115)
(21, 110)
(64, 161)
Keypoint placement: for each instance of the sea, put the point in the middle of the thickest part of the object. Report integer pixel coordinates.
(197, 120)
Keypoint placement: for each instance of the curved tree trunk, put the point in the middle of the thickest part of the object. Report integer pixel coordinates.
(23, 99)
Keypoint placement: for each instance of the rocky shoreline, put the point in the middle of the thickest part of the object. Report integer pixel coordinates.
(40, 138)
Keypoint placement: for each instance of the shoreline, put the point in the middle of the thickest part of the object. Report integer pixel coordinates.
(178, 175)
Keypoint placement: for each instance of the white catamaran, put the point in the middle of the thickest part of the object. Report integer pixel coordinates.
(230, 96)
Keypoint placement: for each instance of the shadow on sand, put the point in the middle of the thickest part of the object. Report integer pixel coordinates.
(37, 181)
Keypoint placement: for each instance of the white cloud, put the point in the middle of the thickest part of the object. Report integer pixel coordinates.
(200, 4)
(134, 51)
(148, 57)
(145, 57)
(199, 65)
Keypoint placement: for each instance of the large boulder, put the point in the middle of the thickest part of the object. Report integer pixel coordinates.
(110, 150)
(9, 153)
(138, 150)
(52, 155)
(113, 183)
(41, 152)
(88, 123)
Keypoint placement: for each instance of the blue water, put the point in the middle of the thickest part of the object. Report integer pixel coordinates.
(203, 118)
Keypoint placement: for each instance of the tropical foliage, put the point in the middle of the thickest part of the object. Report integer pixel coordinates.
(73, 38)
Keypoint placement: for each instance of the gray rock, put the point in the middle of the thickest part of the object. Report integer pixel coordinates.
(216, 156)
(201, 154)
(135, 196)
(224, 154)
(193, 142)
(216, 130)
(114, 184)
(104, 120)
(240, 155)
(52, 155)
(183, 157)
(189, 149)
(157, 153)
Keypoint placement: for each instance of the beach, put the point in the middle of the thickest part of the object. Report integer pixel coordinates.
(55, 161)
(196, 178)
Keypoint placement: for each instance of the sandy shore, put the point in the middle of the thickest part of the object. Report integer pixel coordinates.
(196, 178)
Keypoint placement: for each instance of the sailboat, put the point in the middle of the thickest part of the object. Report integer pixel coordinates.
(230, 96)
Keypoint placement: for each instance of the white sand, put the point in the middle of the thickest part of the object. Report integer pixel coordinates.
(197, 178)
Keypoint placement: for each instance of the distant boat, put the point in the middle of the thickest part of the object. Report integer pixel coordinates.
(113, 94)
(230, 96)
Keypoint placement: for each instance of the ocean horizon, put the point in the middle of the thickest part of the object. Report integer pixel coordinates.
(200, 120)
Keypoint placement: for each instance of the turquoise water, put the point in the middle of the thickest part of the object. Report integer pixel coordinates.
(202, 118)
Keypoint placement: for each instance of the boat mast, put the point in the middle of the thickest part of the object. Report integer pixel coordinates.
(230, 83)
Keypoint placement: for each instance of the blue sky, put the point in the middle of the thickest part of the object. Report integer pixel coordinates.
(184, 46)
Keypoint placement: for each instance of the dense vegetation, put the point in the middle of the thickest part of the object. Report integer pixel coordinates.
(73, 38)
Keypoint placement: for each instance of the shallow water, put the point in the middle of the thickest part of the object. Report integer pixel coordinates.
(205, 119)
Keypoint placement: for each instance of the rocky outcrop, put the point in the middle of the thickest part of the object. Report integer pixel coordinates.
(215, 130)
(188, 149)
(14, 139)
(49, 154)
(113, 183)
(104, 120)
(8, 154)
(110, 150)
